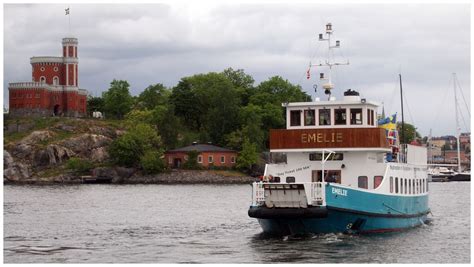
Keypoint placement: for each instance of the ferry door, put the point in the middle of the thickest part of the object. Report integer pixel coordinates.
(315, 176)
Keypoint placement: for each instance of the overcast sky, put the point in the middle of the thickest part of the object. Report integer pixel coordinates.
(161, 43)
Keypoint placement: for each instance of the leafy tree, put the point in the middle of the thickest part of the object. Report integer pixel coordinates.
(153, 96)
(151, 162)
(409, 133)
(139, 116)
(94, 104)
(208, 104)
(117, 100)
(248, 156)
(243, 84)
(128, 149)
(276, 90)
(191, 163)
(168, 124)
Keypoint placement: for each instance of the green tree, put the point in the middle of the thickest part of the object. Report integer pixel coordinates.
(128, 149)
(243, 84)
(276, 90)
(151, 162)
(117, 100)
(409, 133)
(153, 96)
(191, 163)
(248, 156)
(208, 104)
(94, 104)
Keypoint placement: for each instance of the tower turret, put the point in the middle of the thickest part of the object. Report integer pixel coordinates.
(70, 61)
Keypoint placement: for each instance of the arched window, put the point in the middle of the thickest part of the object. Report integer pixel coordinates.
(42, 79)
(55, 80)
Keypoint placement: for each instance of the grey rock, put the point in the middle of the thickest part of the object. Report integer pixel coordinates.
(85, 143)
(99, 154)
(51, 155)
(37, 136)
(23, 151)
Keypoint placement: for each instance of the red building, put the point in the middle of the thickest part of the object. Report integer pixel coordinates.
(209, 155)
(54, 89)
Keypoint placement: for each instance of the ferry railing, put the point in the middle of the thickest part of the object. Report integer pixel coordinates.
(315, 194)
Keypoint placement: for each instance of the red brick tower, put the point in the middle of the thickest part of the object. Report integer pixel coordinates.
(54, 90)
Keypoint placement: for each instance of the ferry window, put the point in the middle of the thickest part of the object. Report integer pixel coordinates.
(396, 185)
(406, 189)
(391, 184)
(370, 117)
(427, 187)
(401, 185)
(324, 117)
(295, 118)
(276, 179)
(319, 156)
(416, 186)
(363, 182)
(356, 116)
(377, 181)
(340, 117)
(290, 179)
(309, 117)
(409, 186)
(423, 182)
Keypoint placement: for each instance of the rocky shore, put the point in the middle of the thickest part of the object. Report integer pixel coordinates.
(40, 156)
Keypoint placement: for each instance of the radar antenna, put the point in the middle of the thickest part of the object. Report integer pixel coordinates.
(327, 82)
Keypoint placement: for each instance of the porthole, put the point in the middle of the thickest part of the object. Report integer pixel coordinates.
(55, 69)
(42, 68)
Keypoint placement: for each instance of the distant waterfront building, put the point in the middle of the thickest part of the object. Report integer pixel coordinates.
(209, 155)
(54, 89)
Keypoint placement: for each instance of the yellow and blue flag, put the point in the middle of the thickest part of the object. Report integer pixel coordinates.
(389, 123)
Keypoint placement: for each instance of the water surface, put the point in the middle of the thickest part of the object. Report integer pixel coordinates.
(205, 224)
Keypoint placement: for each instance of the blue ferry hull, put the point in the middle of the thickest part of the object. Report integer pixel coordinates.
(355, 211)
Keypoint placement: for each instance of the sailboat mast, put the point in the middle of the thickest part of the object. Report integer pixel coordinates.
(403, 121)
(457, 122)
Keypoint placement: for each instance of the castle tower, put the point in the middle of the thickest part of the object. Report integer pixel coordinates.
(54, 90)
(70, 61)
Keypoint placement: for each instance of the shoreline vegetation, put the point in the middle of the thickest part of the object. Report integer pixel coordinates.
(127, 145)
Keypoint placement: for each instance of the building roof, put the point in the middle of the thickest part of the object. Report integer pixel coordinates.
(201, 148)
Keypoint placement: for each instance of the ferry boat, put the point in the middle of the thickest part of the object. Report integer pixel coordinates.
(338, 171)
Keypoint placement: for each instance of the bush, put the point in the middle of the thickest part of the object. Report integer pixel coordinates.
(191, 163)
(79, 165)
(128, 149)
(151, 162)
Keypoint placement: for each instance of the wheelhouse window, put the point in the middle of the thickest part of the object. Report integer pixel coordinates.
(290, 179)
(325, 117)
(356, 116)
(295, 118)
(363, 182)
(340, 116)
(319, 156)
(309, 117)
(370, 117)
(377, 181)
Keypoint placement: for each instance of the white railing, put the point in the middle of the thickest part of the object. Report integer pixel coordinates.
(315, 194)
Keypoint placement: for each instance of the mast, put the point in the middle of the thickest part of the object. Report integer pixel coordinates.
(458, 129)
(403, 121)
(328, 63)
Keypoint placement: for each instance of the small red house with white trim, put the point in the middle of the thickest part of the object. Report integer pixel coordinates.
(209, 155)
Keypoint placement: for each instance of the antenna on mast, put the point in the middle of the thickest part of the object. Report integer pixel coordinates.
(328, 85)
